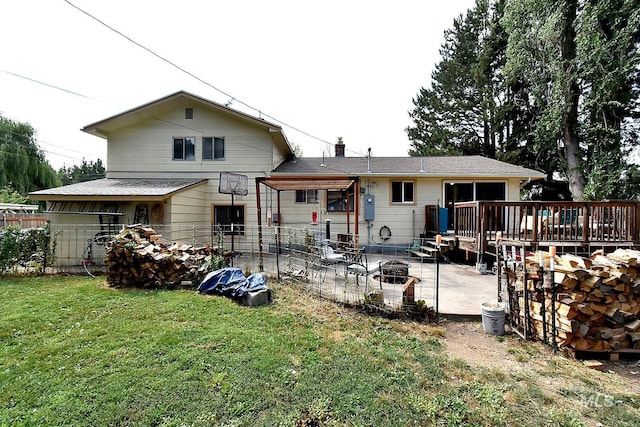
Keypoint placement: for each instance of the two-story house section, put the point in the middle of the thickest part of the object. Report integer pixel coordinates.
(164, 166)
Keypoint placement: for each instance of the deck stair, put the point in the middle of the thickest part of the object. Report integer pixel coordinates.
(427, 248)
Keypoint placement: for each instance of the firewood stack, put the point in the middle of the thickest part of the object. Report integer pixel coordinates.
(597, 300)
(140, 257)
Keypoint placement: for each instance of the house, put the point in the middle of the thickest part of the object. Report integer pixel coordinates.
(396, 195)
(164, 163)
(183, 163)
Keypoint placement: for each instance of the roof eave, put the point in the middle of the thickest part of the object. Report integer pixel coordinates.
(97, 128)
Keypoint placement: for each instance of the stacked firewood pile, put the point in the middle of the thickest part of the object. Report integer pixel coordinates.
(597, 300)
(140, 257)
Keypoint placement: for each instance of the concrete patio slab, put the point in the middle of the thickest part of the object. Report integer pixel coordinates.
(461, 289)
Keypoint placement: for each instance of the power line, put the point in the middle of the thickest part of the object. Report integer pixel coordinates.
(87, 97)
(39, 141)
(40, 149)
(183, 70)
(94, 99)
(156, 118)
(48, 85)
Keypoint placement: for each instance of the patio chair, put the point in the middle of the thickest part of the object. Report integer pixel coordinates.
(328, 256)
(356, 264)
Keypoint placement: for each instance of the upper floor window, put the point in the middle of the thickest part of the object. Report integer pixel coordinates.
(188, 113)
(402, 192)
(212, 148)
(184, 148)
(306, 196)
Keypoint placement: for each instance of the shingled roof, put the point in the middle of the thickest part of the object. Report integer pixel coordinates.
(436, 166)
(121, 188)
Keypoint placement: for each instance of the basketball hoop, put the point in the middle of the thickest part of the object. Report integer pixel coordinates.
(236, 185)
(233, 183)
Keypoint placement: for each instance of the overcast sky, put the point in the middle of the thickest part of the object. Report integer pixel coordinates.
(326, 68)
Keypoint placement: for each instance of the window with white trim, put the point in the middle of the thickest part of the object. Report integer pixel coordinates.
(402, 191)
(212, 148)
(184, 148)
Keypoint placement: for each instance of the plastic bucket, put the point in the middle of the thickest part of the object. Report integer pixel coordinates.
(493, 318)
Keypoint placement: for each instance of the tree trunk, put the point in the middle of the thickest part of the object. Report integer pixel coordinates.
(572, 150)
(570, 117)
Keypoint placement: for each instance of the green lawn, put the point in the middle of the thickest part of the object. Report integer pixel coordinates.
(74, 352)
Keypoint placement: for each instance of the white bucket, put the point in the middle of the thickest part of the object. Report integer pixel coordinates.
(493, 318)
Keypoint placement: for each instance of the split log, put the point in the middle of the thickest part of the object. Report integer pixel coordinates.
(139, 257)
(597, 303)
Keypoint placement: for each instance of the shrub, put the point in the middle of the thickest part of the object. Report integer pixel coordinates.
(27, 248)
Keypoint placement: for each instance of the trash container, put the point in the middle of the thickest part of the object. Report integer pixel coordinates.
(493, 318)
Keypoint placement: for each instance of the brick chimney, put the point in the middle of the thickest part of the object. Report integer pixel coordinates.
(339, 147)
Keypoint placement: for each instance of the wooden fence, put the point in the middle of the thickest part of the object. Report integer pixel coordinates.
(22, 220)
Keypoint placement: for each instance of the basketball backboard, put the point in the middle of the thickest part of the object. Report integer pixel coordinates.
(233, 183)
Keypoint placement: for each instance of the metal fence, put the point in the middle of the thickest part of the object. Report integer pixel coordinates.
(296, 254)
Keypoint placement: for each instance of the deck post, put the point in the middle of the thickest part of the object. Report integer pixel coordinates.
(586, 220)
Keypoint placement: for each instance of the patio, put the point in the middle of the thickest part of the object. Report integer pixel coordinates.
(461, 289)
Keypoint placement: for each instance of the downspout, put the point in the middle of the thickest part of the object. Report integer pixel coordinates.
(356, 199)
(413, 225)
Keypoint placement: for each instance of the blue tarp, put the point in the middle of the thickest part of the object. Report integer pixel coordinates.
(231, 283)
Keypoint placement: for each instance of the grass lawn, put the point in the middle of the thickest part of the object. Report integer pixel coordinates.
(74, 352)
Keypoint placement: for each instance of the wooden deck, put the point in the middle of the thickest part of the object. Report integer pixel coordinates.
(574, 226)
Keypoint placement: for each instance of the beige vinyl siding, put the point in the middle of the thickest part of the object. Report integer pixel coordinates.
(145, 149)
(190, 207)
(406, 221)
(72, 234)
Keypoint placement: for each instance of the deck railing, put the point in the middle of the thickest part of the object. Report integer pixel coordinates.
(614, 223)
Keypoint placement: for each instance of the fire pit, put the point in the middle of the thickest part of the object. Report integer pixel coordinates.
(395, 272)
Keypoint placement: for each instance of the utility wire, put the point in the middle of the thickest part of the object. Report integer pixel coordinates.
(48, 85)
(168, 62)
(87, 97)
(39, 141)
(40, 149)
(173, 64)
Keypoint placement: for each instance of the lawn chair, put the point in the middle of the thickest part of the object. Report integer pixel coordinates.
(356, 263)
(328, 256)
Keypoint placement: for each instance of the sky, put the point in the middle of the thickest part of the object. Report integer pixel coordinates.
(320, 69)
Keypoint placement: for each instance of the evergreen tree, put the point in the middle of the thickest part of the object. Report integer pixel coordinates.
(87, 171)
(550, 85)
(450, 118)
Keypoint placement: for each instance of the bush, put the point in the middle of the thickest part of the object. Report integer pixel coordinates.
(26, 248)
